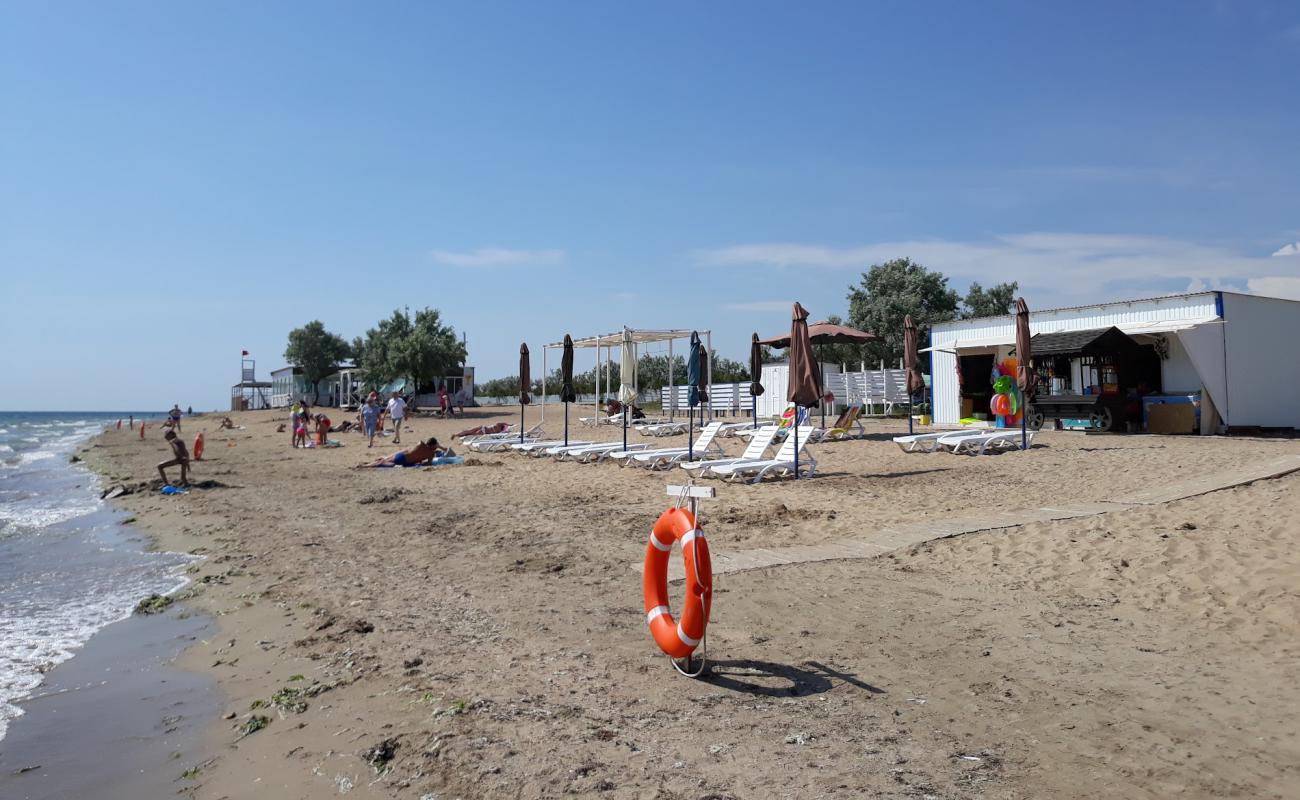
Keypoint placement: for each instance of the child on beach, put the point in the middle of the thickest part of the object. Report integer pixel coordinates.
(322, 428)
(180, 456)
(370, 418)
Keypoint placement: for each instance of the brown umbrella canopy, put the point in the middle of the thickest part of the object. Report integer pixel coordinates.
(755, 367)
(911, 357)
(805, 377)
(567, 394)
(1024, 372)
(525, 375)
(825, 333)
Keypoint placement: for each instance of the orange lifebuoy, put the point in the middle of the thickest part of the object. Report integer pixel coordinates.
(198, 447)
(677, 639)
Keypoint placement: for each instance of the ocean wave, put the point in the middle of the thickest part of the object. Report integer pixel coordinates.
(35, 455)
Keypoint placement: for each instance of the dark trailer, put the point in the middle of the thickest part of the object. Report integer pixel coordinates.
(1111, 368)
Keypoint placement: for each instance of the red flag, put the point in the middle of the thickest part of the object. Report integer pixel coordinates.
(245, 352)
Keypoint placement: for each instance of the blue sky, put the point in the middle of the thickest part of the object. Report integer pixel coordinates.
(180, 181)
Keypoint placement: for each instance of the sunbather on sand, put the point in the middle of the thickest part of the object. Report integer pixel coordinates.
(410, 457)
(483, 430)
(226, 423)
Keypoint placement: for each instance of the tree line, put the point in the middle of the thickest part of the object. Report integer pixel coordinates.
(418, 348)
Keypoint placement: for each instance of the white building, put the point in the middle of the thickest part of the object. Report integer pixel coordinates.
(1237, 352)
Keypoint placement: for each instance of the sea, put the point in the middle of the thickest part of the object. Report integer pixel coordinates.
(69, 566)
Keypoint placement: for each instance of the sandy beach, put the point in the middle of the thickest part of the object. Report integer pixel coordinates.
(477, 630)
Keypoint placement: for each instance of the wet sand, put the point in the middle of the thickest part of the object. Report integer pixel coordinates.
(477, 631)
(119, 721)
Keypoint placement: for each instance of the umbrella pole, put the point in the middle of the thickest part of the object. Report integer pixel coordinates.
(821, 376)
(794, 431)
(754, 409)
(521, 421)
(909, 410)
(690, 439)
(566, 424)
(1024, 438)
(625, 426)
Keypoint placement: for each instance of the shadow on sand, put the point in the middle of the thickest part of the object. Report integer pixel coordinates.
(768, 679)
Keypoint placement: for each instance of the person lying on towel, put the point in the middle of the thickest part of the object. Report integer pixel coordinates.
(483, 430)
(422, 453)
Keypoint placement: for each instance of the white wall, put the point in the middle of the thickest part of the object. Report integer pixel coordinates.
(1261, 336)
(1177, 373)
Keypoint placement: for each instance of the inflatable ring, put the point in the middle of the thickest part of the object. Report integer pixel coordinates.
(677, 638)
(198, 447)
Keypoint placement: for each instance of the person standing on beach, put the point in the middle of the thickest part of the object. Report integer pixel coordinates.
(175, 416)
(295, 419)
(370, 417)
(180, 456)
(397, 410)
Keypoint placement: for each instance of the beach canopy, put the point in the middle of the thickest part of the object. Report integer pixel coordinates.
(805, 378)
(525, 375)
(825, 333)
(567, 394)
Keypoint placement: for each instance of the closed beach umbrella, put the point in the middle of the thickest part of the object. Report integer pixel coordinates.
(1024, 372)
(755, 375)
(525, 383)
(695, 392)
(627, 378)
(911, 363)
(805, 377)
(567, 395)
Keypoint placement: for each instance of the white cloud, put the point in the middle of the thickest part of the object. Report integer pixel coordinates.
(1285, 286)
(498, 257)
(1292, 249)
(760, 305)
(1052, 268)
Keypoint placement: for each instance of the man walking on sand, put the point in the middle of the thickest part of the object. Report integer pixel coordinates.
(397, 410)
(180, 455)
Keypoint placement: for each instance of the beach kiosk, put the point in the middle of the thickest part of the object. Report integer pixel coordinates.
(1096, 375)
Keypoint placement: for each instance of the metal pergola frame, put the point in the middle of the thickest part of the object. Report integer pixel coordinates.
(606, 342)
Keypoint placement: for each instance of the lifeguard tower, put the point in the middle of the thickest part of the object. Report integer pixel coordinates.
(249, 394)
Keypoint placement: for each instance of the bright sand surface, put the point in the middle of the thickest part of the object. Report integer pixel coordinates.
(486, 620)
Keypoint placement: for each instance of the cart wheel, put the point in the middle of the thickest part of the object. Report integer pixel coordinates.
(1101, 419)
(1035, 420)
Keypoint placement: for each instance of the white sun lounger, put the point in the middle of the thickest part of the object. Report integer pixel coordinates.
(662, 428)
(497, 445)
(997, 440)
(532, 433)
(539, 447)
(781, 465)
(924, 442)
(757, 447)
(586, 452)
(667, 456)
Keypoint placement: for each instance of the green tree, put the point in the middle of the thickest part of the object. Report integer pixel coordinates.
(420, 350)
(890, 291)
(315, 351)
(993, 302)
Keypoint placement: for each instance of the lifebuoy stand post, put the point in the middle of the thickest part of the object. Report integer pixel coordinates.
(693, 495)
